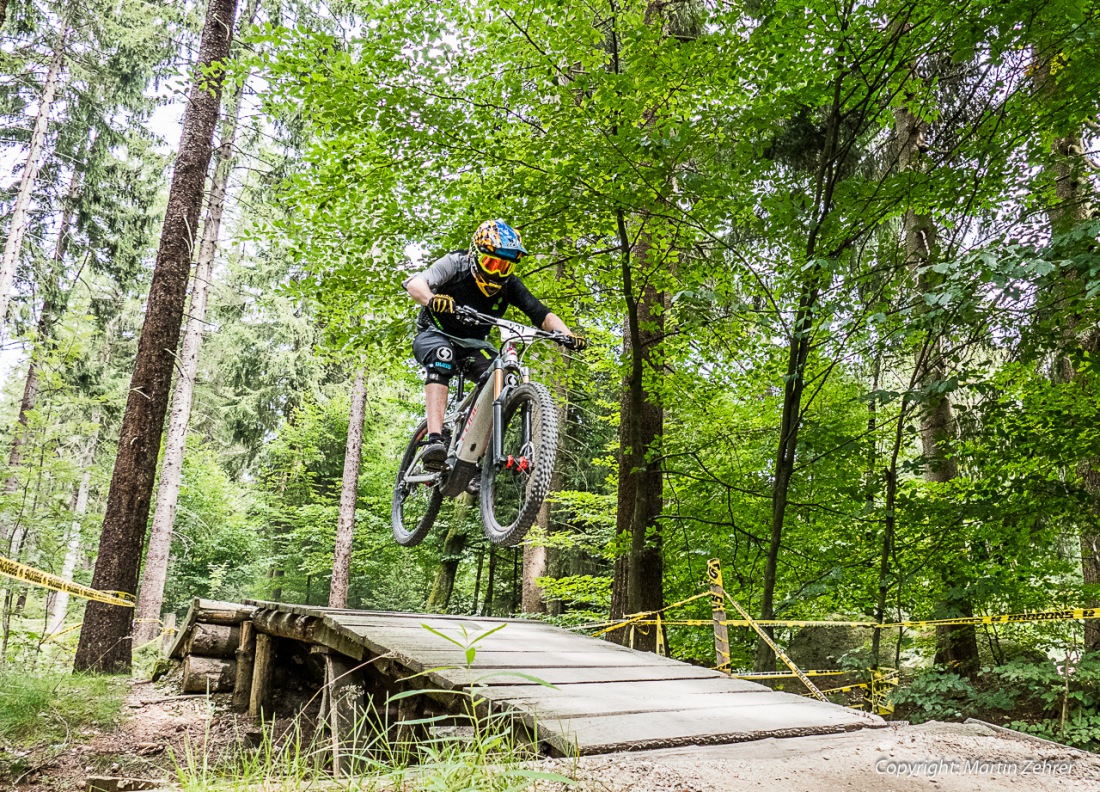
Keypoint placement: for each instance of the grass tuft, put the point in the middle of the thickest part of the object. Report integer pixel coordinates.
(52, 707)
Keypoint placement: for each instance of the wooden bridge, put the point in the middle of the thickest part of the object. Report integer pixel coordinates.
(570, 694)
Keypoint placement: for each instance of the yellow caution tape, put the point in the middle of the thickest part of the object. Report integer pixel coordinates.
(1067, 614)
(790, 675)
(59, 633)
(641, 618)
(37, 577)
(878, 690)
(810, 686)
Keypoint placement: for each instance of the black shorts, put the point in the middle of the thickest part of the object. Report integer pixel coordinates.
(443, 357)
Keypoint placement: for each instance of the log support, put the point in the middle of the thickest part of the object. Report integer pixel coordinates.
(215, 640)
(345, 696)
(263, 665)
(208, 674)
(246, 652)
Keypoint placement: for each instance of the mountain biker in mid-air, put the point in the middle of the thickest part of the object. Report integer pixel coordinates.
(483, 279)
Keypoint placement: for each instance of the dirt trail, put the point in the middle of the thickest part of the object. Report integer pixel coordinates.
(158, 731)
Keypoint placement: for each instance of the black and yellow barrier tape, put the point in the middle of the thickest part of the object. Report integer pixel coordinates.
(1066, 614)
(805, 680)
(645, 619)
(789, 675)
(37, 577)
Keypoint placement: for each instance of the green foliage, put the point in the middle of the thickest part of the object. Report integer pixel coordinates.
(1059, 707)
(1080, 731)
(216, 550)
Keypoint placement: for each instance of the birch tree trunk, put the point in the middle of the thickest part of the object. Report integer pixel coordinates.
(349, 493)
(17, 228)
(60, 603)
(105, 639)
(151, 593)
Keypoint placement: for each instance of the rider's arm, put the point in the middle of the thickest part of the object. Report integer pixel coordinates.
(552, 324)
(422, 286)
(418, 289)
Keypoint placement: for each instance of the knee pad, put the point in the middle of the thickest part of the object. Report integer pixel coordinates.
(440, 365)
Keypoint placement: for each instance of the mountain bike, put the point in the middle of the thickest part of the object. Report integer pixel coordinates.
(505, 429)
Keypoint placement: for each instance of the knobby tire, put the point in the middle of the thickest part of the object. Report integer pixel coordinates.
(544, 436)
(405, 535)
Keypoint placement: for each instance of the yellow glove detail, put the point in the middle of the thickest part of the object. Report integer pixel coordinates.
(442, 304)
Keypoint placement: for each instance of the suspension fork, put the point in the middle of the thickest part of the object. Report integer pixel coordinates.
(498, 415)
(499, 395)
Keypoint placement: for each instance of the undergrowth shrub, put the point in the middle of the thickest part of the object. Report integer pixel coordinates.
(1037, 697)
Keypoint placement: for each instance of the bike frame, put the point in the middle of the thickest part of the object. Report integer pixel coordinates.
(479, 414)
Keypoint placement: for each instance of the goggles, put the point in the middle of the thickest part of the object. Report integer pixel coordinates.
(496, 266)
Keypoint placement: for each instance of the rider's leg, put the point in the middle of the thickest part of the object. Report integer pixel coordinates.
(435, 353)
(435, 398)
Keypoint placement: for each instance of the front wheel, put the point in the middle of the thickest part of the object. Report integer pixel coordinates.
(512, 494)
(415, 505)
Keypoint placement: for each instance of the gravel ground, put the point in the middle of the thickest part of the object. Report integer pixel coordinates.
(932, 756)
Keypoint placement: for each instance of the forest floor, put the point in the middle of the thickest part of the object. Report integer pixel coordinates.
(161, 732)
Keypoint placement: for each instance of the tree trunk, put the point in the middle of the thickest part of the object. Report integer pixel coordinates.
(17, 228)
(208, 674)
(60, 604)
(349, 493)
(440, 597)
(215, 640)
(53, 304)
(154, 576)
(1072, 206)
(638, 582)
(105, 641)
(477, 580)
(490, 583)
(956, 645)
(535, 565)
(536, 559)
(794, 380)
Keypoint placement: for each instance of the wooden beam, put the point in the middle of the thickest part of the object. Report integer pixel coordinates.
(346, 696)
(246, 653)
(208, 674)
(285, 624)
(263, 665)
(214, 640)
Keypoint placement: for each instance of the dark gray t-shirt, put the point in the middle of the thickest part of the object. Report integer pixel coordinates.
(451, 275)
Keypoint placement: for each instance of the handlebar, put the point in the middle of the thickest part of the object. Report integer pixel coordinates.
(476, 317)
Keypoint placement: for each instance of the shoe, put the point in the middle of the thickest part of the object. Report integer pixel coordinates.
(474, 487)
(435, 453)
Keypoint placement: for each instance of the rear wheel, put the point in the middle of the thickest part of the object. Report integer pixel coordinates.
(415, 505)
(512, 494)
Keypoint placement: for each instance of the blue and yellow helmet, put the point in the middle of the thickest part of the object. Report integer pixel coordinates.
(494, 243)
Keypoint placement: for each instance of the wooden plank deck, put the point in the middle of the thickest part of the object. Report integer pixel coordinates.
(594, 696)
